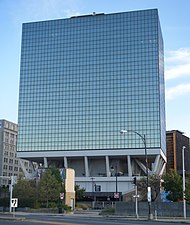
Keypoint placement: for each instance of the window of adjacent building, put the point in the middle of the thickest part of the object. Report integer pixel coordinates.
(12, 148)
(11, 138)
(5, 160)
(6, 153)
(6, 137)
(4, 182)
(5, 167)
(6, 147)
(11, 161)
(10, 168)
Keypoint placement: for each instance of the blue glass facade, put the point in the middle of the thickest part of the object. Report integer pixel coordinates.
(84, 79)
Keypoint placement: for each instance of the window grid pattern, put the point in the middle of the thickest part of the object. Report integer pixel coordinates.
(84, 79)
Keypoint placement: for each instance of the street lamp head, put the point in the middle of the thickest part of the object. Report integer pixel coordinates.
(123, 131)
(111, 169)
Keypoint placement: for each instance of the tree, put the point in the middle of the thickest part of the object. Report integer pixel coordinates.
(79, 192)
(55, 172)
(25, 191)
(187, 191)
(4, 196)
(49, 188)
(174, 185)
(154, 183)
(187, 188)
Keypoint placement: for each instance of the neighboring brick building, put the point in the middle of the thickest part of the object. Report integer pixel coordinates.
(175, 140)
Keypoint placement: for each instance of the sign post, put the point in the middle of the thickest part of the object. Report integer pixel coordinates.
(12, 183)
(136, 196)
(14, 204)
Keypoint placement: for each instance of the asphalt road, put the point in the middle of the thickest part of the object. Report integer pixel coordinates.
(77, 220)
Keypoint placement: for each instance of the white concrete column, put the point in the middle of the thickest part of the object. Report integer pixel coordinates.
(65, 162)
(155, 164)
(107, 166)
(86, 166)
(160, 166)
(141, 165)
(45, 162)
(162, 170)
(129, 166)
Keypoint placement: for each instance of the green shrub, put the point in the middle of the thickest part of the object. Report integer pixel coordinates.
(82, 206)
(67, 208)
(4, 202)
(108, 211)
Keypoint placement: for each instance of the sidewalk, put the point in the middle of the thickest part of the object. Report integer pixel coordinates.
(10, 216)
(95, 213)
(163, 219)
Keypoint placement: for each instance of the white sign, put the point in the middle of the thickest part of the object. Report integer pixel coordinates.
(14, 202)
(149, 194)
(136, 196)
(61, 195)
(116, 195)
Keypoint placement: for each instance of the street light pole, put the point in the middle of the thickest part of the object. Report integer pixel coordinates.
(93, 200)
(116, 186)
(143, 138)
(116, 178)
(136, 201)
(184, 200)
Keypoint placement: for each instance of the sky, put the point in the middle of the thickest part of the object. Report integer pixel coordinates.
(175, 23)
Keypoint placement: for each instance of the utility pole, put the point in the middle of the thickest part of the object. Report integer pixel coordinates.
(143, 138)
(136, 196)
(184, 200)
(93, 202)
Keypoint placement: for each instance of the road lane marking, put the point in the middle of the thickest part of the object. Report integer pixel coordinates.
(52, 222)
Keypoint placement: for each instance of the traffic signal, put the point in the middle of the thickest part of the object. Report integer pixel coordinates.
(134, 180)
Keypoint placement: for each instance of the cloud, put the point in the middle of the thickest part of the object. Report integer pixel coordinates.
(177, 63)
(182, 54)
(176, 91)
(178, 71)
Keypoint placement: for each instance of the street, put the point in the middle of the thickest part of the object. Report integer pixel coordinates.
(31, 219)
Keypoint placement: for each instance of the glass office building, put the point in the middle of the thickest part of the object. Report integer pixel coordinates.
(85, 78)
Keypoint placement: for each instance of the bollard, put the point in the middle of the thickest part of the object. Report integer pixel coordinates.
(156, 216)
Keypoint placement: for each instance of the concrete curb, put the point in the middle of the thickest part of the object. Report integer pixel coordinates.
(21, 216)
(168, 219)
